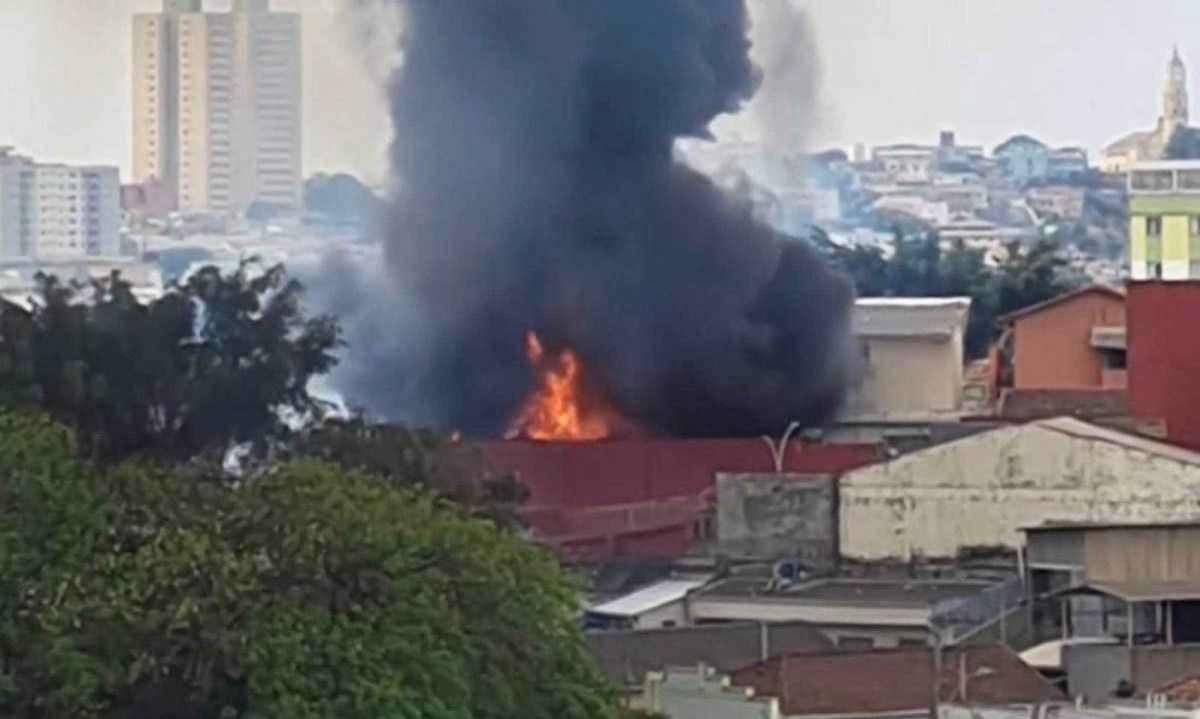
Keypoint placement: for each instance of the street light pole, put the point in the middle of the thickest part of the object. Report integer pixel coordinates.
(779, 451)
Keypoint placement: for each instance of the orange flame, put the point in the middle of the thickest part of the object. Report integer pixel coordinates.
(559, 409)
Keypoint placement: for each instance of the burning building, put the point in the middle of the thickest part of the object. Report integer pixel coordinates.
(550, 270)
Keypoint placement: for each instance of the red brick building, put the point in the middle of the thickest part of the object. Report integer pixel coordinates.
(1164, 357)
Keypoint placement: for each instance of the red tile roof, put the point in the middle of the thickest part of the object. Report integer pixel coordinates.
(894, 681)
(1183, 691)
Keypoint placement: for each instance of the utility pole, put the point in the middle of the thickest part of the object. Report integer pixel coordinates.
(935, 696)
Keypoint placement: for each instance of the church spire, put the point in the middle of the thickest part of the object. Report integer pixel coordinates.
(1175, 95)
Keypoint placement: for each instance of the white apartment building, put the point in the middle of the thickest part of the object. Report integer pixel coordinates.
(217, 105)
(57, 212)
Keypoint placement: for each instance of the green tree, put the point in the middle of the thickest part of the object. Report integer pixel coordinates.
(307, 591)
(404, 457)
(920, 266)
(220, 360)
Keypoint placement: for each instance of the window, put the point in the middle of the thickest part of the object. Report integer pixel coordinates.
(1154, 226)
(1152, 180)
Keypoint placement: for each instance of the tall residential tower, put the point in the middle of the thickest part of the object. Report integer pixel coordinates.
(217, 105)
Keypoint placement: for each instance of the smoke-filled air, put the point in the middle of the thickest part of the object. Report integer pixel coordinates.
(541, 234)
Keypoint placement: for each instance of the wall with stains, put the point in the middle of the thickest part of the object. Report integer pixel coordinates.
(981, 490)
(774, 516)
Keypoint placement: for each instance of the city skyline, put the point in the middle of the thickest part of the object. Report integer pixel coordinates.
(1079, 72)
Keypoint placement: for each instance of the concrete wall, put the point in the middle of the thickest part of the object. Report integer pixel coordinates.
(671, 615)
(771, 516)
(908, 375)
(1154, 667)
(1052, 349)
(981, 490)
(1094, 671)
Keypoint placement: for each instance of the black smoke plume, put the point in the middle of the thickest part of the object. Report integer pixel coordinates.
(536, 189)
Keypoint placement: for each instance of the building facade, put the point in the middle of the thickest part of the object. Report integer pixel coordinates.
(1076, 341)
(57, 212)
(217, 105)
(911, 357)
(981, 491)
(1164, 220)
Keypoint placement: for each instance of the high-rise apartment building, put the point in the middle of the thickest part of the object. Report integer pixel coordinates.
(57, 212)
(217, 105)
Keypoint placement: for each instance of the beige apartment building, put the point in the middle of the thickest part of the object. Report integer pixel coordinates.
(217, 105)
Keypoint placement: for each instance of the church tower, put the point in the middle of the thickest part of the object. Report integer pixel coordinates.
(1175, 96)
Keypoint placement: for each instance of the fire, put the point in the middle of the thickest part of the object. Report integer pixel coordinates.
(560, 409)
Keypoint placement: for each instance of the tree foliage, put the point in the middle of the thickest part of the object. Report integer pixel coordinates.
(224, 358)
(921, 266)
(414, 458)
(306, 592)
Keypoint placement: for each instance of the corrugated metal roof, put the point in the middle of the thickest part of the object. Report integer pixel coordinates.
(1148, 591)
(1084, 430)
(650, 598)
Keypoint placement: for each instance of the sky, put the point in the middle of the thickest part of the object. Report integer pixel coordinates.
(1069, 71)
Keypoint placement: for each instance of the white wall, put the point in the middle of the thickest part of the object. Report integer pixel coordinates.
(981, 490)
(908, 376)
(669, 615)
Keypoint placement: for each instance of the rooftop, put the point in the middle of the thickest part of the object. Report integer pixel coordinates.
(1080, 526)
(1147, 591)
(894, 681)
(854, 592)
(1098, 288)
(1023, 405)
(649, 598)
(1084, 430)
(910, 317)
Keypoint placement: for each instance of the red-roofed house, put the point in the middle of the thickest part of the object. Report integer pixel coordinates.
(895, 683)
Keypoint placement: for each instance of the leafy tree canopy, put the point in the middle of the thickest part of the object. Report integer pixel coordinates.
(306, 592)
(223, 359)
(413, 458)
(922, 266)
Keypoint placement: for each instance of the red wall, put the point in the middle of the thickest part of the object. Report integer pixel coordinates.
(596, 474)
(1164, 357)
(642, 499)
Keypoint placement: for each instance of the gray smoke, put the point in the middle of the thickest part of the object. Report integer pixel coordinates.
(535, 189)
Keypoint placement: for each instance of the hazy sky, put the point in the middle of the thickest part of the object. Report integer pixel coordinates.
(1070, 71)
